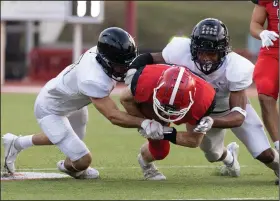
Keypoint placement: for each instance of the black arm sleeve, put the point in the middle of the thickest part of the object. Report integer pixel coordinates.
(134, 81)
(142, 60)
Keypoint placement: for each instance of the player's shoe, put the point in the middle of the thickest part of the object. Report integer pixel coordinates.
(234, 168)
(10, 152)
(89, 173)
(150, 171)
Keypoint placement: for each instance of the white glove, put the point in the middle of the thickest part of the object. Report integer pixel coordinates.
(151, 129)
(129, 75)
(204, 125)
(267, 38)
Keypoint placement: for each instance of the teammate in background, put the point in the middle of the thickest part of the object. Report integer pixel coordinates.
(61, 106)
(208, 54)
(266, 73)
(168, 94)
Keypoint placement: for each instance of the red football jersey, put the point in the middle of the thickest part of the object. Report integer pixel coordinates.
(272, 9)
(146, 79)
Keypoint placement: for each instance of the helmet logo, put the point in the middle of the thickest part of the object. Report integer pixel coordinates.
(208, 30)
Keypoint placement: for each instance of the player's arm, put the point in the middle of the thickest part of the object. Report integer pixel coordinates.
(99, 96)
(158, 58)
(109, 109)
(128, 102)
(147, 58)
(189, 138)
(258, 19)
(236, 117)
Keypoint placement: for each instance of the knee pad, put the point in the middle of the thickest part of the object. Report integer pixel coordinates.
(213, 156)
(159, 148)
(55, 127)
(73, 147)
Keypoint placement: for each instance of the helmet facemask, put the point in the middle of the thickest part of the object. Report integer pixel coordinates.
(208, 66)
(116, 69)
(168, 113)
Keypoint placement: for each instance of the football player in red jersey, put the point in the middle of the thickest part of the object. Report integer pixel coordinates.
(266, 73)
(175, 95)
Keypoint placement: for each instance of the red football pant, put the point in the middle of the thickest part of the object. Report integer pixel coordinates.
(266, 75)
(159, 148)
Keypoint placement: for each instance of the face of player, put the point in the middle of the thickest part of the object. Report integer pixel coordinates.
(205, 57)
(119, 71)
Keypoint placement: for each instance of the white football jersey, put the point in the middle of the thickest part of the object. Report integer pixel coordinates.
(235, 74)
(71, 89)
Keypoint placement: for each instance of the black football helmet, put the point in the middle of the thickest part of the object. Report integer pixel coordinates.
(209, 37)
(115, 51)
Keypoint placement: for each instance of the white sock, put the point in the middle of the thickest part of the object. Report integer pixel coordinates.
(228, 159)
(143, 161)
(23, 142)
(276, 144)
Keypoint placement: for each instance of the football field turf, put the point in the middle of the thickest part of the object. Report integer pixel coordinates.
(114, 151)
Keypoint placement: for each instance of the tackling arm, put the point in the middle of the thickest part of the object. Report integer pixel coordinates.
(186, 139)
(129, 104)
(257, 21)
(158, 58)
(109, 109)
(147, 58)
(189, 138)
(236, 117)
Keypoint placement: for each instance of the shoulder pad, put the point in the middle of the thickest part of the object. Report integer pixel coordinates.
(239, 68)
(239, 72)
(175, 49)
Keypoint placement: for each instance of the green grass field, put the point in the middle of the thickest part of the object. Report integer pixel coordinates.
(114, 152)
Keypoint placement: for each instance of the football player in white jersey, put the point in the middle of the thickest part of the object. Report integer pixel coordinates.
(208, 54)
(61, 106)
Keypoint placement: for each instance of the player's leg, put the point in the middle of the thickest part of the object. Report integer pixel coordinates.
(13, 144)
(266, 78)
(213, 147)
(149, 152)
(60, 132)
(78, 121)
(253, 136)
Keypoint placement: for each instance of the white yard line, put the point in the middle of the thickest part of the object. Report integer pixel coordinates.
(132, 167)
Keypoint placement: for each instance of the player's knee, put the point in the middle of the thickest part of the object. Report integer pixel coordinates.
(83, 163)
(213, 156)
(266, 156)
(266, 100)
(159, 148)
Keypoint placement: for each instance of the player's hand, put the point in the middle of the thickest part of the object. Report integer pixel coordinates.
(129, 75)
(204, 125)
(151, 129)
(267, 38)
